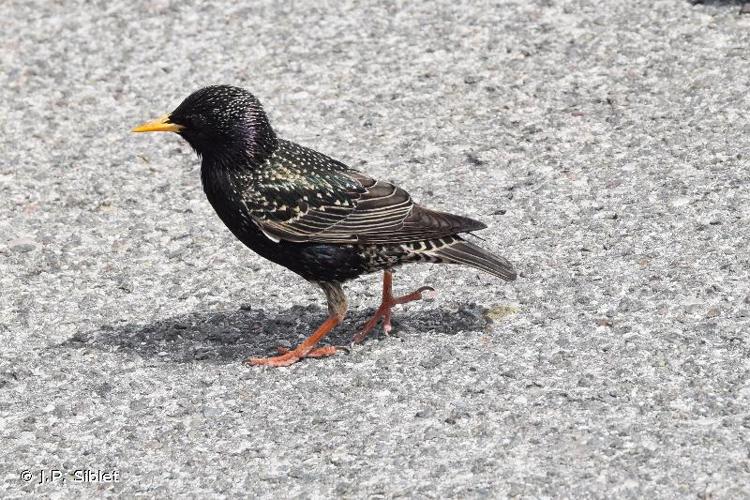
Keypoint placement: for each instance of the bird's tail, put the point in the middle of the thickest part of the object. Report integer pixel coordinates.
(463, 252)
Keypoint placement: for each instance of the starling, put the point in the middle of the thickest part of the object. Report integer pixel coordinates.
(313, 214)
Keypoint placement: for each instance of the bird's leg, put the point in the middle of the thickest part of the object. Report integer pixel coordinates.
(301, 351)
(336, 312)
(386, 304)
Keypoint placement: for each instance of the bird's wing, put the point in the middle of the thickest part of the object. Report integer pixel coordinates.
(338, 205)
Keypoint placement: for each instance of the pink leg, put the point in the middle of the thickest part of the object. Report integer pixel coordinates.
(387, 303)
(308, 348)
(305, 350)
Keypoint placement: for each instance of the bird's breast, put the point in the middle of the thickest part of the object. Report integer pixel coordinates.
(226, 196)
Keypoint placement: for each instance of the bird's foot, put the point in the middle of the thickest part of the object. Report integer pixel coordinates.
(306, 349)
(319, 352)
(290, 356)
(286, 359)
(384, 311)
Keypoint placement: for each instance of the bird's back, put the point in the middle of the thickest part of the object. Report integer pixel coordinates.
(298, 198)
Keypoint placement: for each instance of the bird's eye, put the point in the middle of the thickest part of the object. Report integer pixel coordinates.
(186, 121)
(195, 122)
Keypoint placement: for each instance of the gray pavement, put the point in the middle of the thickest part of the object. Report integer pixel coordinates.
(605, 144)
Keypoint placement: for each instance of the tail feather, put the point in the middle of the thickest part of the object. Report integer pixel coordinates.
(463, 252)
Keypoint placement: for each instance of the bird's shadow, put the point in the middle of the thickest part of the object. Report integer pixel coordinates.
(231, 336)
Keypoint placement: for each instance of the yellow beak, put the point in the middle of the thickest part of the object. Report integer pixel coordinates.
(161, 124)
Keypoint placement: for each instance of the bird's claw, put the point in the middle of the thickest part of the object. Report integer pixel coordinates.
(384, 311)
(286, 359)
(318, 352)
(288, 356)
(427, 293)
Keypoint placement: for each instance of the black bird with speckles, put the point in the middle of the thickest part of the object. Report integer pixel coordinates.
(312, 214)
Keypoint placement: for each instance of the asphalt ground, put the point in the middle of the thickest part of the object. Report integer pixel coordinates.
(605, 144)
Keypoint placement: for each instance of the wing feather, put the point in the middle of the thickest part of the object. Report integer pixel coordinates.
(344, 206)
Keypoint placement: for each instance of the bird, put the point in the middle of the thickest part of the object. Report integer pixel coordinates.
(312, 214)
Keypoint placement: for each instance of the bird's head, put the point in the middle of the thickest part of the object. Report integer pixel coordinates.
(220, 120)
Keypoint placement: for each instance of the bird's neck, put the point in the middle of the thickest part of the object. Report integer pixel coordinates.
(260, 145)
(242, 156)
(226, 172)
(224, 183)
